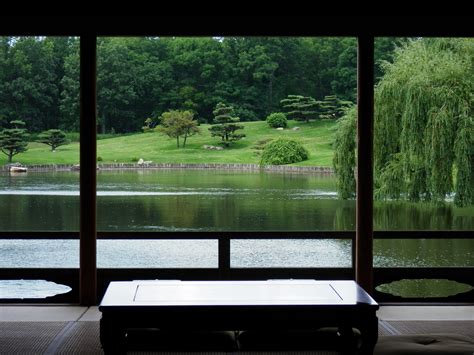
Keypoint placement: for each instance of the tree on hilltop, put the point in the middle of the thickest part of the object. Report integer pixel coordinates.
(13, 141)
(226, 124)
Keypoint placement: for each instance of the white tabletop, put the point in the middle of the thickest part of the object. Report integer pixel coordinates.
(206, 293)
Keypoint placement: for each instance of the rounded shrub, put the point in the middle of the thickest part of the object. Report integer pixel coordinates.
(284, 151)
(277, 119)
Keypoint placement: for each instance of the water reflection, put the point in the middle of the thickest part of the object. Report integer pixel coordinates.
(207, 200)
(244, 253)
(290, 253)
(424, 288)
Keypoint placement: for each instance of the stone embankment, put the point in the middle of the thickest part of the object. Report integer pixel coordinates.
(214, 166)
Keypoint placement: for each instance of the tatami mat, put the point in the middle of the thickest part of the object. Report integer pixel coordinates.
(322, 352)
(432, 327)
(28, 337)
(82, 337)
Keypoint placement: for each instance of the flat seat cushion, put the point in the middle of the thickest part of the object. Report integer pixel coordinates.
(317, 339)
(181, 340)
(446, 344)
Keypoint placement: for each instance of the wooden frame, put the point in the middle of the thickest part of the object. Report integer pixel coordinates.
(88, 28)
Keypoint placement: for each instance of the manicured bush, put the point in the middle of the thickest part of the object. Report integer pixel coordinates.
(284, 151)
(277, 119)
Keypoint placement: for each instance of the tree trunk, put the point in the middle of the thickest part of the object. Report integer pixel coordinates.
(177, 141)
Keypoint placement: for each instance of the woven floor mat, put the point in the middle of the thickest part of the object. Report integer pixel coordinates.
(83, 337)
(28, 337)
(426, 327)
(320, 352)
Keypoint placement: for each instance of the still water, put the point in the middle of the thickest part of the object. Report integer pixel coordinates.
(209, 200)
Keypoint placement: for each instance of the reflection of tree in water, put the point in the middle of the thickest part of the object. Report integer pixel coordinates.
(423, 252)
(424, 288)
(464, 220)
(33, 212)
(420, 216)
(345, 217)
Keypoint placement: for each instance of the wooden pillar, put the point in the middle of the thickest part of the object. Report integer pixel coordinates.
(224, 257)
(88, 152)
(365, 127)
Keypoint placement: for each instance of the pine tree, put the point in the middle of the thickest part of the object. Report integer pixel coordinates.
(332, 107)
(13, 141)
(54, 138)
(226, 124)
(300, 108)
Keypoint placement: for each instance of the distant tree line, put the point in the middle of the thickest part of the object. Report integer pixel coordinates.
(141, 78)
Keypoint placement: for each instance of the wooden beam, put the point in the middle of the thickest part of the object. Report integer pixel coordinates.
(365, 125)
(88, 152)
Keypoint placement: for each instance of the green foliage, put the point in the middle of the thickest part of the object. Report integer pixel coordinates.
(316, 136)
(260, 145)
(384, 50)
(423, 145)
(464, 158)
(300, 108)
(73, 136)
(54, 138)
(332, 107)
(246, 113)
(430, 86)
(391, 184)
(69, 99)
(13, 141)
(150, 125)
(284, 151)
(177, 124)
(146, 76)
(344, 154)
(30, 73)
(226, 126)
(277, 119)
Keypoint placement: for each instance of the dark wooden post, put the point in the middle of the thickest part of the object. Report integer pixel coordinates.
(224, 257)
(88, 232)
(365, 127)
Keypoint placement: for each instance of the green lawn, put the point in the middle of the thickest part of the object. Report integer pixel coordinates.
(316, 136)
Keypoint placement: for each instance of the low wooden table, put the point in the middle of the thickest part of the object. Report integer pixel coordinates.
(236, 305)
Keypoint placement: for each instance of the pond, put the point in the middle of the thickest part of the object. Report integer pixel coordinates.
(216, 200)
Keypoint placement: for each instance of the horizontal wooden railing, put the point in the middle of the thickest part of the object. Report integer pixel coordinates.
(224, 270)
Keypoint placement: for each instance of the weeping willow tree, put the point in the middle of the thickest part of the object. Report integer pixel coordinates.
(424, 125)
(345, 154)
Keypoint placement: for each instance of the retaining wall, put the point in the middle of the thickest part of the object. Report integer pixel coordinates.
(241, 167)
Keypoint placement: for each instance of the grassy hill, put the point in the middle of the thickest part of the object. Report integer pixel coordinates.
(316, 136)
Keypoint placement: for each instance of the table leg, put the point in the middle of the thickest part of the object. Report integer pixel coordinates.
(348, 339)
(369, 329)
(112, 336)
